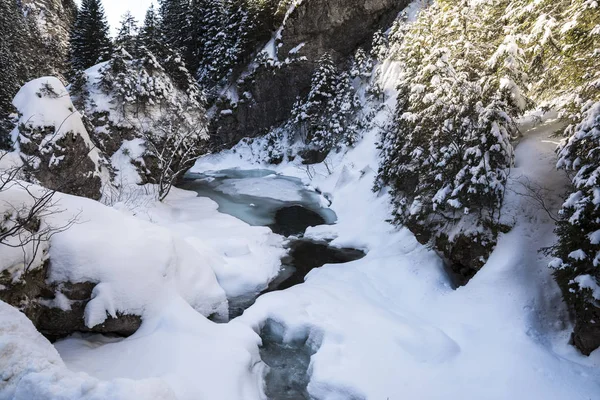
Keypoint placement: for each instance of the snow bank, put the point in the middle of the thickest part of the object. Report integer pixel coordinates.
(197, 358)
(244, 258)
(30, 368)
(136, 264)
(170, 265)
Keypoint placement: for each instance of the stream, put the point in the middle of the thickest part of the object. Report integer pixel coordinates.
(263, 198)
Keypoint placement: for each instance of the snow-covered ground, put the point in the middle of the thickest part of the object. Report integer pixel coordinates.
(386, 326)
(390, 326)
(174, 264)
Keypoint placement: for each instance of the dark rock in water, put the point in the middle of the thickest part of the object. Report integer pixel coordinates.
(34, 296)
(294, 220)
(305, 255)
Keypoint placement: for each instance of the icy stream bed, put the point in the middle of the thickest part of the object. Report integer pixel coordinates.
(261, 197)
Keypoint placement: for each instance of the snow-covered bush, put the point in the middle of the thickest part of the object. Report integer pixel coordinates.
(577, 263)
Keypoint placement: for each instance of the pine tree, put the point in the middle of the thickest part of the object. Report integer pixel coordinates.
(20, 59)
(174, 16)
(127, 35)
(576, 267)
(330, 115)
(210, 40)
(447, 153)
(150, 35)
(90, 42)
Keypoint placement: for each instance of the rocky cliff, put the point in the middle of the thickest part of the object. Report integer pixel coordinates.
(310, 29)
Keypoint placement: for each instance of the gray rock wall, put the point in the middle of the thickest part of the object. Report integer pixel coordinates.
(335, 26)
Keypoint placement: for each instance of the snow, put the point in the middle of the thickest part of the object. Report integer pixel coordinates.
(244, 258)
(197, 358)
(31, 368)
(388, 325)
(173, 264)
(136, 264)
(589, 282)
(40, 110)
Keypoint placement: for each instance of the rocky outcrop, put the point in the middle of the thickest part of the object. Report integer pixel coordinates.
(53, 142)
(57, 309)
(313, 28)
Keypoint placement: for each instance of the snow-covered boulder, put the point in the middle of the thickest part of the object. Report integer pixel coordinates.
(104, 272)
(53, 140)
(146, 116)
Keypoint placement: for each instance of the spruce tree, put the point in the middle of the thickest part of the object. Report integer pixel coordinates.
(208, 40)
(17, 62)
(150, 34)
(174, 15)
(330, 114)
(90, 42)
(127, 35)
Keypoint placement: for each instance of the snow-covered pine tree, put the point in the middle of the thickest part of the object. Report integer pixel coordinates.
(127, 35)
(174, 66)
(21, 58)
(362, 66)
(206, 23)
(175, 25)
(447, 154)
(90, 42)
(560, 40)
(307, 114)
(10, 36)
(330, 114)
(577, 263)
(120, 79)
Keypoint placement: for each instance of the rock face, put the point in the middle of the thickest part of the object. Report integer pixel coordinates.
(338, 27)
(57, 310)
(586, 335)
(53, 141)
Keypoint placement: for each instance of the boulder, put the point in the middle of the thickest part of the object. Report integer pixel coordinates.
(57, 310)
(53, 141)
